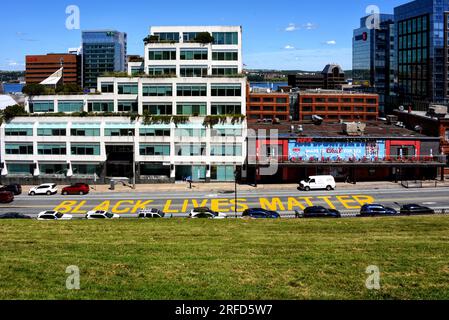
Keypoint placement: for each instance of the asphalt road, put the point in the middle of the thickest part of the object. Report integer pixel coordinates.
(179, 203)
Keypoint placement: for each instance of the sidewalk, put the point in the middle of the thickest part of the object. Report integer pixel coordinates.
(229, 187)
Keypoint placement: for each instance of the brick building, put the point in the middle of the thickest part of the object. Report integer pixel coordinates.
(267, 105)
(334, 105)
(40, 67)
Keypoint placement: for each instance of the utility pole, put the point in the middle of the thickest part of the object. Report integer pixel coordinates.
(134, 158)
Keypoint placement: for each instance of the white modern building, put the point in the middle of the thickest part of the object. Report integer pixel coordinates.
(183, 119)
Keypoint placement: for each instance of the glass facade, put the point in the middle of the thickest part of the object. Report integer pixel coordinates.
(158, 109)
(132, 88)
(78, 149)
(103, 51)
(226, 38)
(225, 150)
(20, 168)
(70, 106)
(190, 149)
(223, 90)
(223, 109)
(189, 72)
(157, 90)
(167, 37)
(100, 106)
(51, 148)
(194, 54)
(42, 106)
(225, 55)
(224, 71)
(19, 148)
(192, 109)
(127, 106)
(162, 55)
(154, 150)
(162, 71)
(199, 90)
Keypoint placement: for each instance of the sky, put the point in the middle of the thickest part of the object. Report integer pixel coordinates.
(282, 35)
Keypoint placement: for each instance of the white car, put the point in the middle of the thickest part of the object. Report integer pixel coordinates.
(206, 213)
(47, 188)
(53, 215)
(318, 182)
(93, 215)
(151, 214)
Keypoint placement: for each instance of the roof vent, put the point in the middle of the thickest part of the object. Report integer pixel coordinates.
(354, 128)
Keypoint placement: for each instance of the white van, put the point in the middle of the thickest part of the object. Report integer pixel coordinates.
(318, 182)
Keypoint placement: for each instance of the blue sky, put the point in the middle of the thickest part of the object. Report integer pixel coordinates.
(289, 34)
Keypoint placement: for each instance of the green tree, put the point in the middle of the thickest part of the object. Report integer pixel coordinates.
(204, 38)
(34, 89)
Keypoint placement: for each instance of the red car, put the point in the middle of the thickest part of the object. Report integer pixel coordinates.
(6, 197)
(77, 188)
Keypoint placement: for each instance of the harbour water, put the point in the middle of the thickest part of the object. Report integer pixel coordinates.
(12, 87)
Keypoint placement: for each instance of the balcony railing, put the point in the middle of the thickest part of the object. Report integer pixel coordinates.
(351, 160)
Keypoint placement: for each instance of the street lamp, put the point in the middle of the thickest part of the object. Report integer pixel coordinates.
(235, 191)
(134, 157)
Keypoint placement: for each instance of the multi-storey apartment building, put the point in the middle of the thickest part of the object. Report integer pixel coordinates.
(40, 67)
(183, 119)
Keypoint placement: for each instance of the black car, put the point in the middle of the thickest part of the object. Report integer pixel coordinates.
(260, 214)
(415, 209)
(16, 189)
(318, 212)
(373, 210)
(14, 215)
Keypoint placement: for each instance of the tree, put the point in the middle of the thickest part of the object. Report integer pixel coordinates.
(11, 112)
(34, 89)
(204, 38)
(69, 88)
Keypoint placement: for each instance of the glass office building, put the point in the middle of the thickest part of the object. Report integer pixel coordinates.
(422, 50)
(374, 58)
(103, 51)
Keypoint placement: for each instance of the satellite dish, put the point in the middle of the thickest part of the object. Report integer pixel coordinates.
(317, 119)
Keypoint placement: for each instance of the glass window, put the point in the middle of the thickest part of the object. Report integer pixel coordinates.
(154, 150)
(151, 132)
(70, 106)
(157, 90)
(226, 90)
(281, 100)
(226, 150)
(100, 106)
(42, 106)
(86, 169)
(51, 132)
(225, 38)
(85, 132)
(167, 37)
(20, 168)
(162, 71)
(223, 71)
(223, 109)
(162, 55)
(188, 132)
(193, 71)
(225, 55)
(18, 131)
(19, 148)
(51, 149)
(127, 106)
(119, 132)
(190, 150)
(192, 109)
(107, 88)
(194, 54)
(128, 88)
(158, 109)
(85, 149)
(199, 90)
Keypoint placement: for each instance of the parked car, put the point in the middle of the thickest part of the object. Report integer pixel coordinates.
(53, 215)
(318, 212)
(77, 188)
(14, 215)
(6, 197)
(14, 188)
(151, 213)
(260, 214)
(318, 183)
(206, 213)
(372, 210)
(412, 209)
(47, 188)
(93, 215)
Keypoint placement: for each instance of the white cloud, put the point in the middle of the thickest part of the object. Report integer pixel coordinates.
(289, 47)
(310, 26)
(291, 27)
(331, 42)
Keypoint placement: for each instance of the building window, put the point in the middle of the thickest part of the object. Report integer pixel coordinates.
(226, 90)
(51, 132)
(85, 132)
(158, 109)
(190, 150)
(254, 108)
(57, 168)
(189, 132)
(128, 88)
(18, 132)
(70, 106)
(107, 88)
(268, 108)
(281, 109)
(223, 109)
(191, 72)
(228, 132)
(162, 55)
(86, 169)
(226, 38)
(191, 90)
(192, 109)
(162, 71)
(20, 168)
(51, 149)
(216, 71)
(154, 150)
(254, 99)
(13, 148)
(167, 37)
(150, 132)
(281, 100)
(307, 100)
(100, 106)
(226, 150)
(225, 55)
(157, 91)
(42, 106)
(119, 132)
(85, 149)
(194, 54)
(127, 106)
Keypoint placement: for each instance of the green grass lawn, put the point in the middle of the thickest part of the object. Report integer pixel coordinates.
(202, 259)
